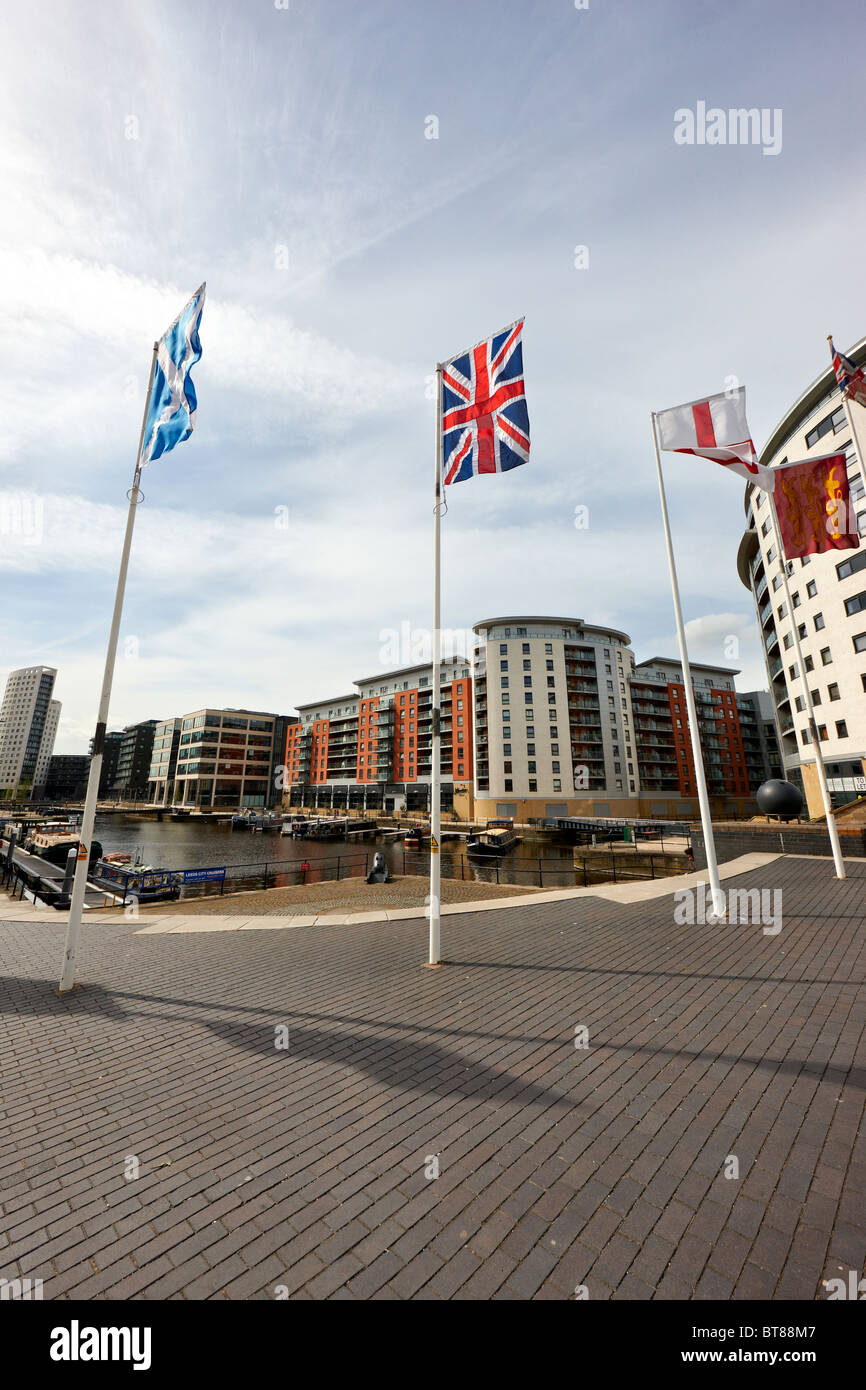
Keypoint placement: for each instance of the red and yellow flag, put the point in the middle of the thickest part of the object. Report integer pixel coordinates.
(813, 507)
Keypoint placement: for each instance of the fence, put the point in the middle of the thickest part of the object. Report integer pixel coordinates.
(521, 870)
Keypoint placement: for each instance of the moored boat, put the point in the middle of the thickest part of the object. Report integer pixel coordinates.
(495, 841)
(416, 837)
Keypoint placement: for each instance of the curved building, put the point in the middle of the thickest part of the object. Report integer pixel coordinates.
(828, 594)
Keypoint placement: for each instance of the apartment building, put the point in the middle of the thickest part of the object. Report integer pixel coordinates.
(828, 597)
(226, 759)
(110, 755)
(132, 768)
(372, 748)
(67, 777)
(551, 717)
(163, 763)
(28, 728)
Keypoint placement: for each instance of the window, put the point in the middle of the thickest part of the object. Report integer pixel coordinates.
(801, 630)
(795, 600)
(506, 750)
(557, 784)
(530, 731)
(527, 695)
(554, 767)
(841, 728)
(508, 786)
(525, 649)
(527, 665)
(799, 704)
(852, 566)
(860, 642)
(833, 692)
(503, 682)
(503, 648)
(782, 610)
(812, 587)
(822, 732)
(771, 554)
(835, 421)
(777, 582)
(826, 658)
(530, 750)
(506, 767)
(810, 665)
(503, 665)
(816, 696)
(548, 648)
(527, 680)
(548, 665)
(819, 621)
(765, 529)
(856, 604)
(787, 641)
(533, 786)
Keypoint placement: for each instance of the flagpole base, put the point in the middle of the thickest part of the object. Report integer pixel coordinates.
(434, 964)
(62, 993)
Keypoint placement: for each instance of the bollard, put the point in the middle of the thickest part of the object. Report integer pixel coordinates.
(69, 871)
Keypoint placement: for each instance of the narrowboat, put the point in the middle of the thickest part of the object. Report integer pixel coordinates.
(493, 842)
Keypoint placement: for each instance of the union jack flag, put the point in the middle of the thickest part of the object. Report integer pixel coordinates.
(485, 423)
(850, 377)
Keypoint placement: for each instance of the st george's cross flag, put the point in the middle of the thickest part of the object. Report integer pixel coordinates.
(813, 506)
(715, 428)
(172, 403)
(485, 423)
(850, 377)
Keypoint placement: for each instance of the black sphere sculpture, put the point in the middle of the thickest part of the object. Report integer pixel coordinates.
(778, 798)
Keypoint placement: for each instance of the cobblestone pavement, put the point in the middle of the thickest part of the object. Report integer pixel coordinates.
(349, 893)
(559, 1166)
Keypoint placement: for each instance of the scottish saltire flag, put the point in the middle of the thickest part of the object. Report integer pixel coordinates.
(171, 412)
(850, 377)
(715, 428)
(485, 423)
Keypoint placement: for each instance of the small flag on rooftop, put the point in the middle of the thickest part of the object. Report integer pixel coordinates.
(850, 377)
(172, 404)
(485, 423)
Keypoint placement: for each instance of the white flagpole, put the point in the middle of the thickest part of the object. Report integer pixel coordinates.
(694, 731)
(73, 930)
(804, 677)
(849, 416)
(436, 770)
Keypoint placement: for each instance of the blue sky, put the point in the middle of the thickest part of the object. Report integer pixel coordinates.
(281, 155)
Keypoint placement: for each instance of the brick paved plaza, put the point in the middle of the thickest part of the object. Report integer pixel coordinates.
(305, 1168)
